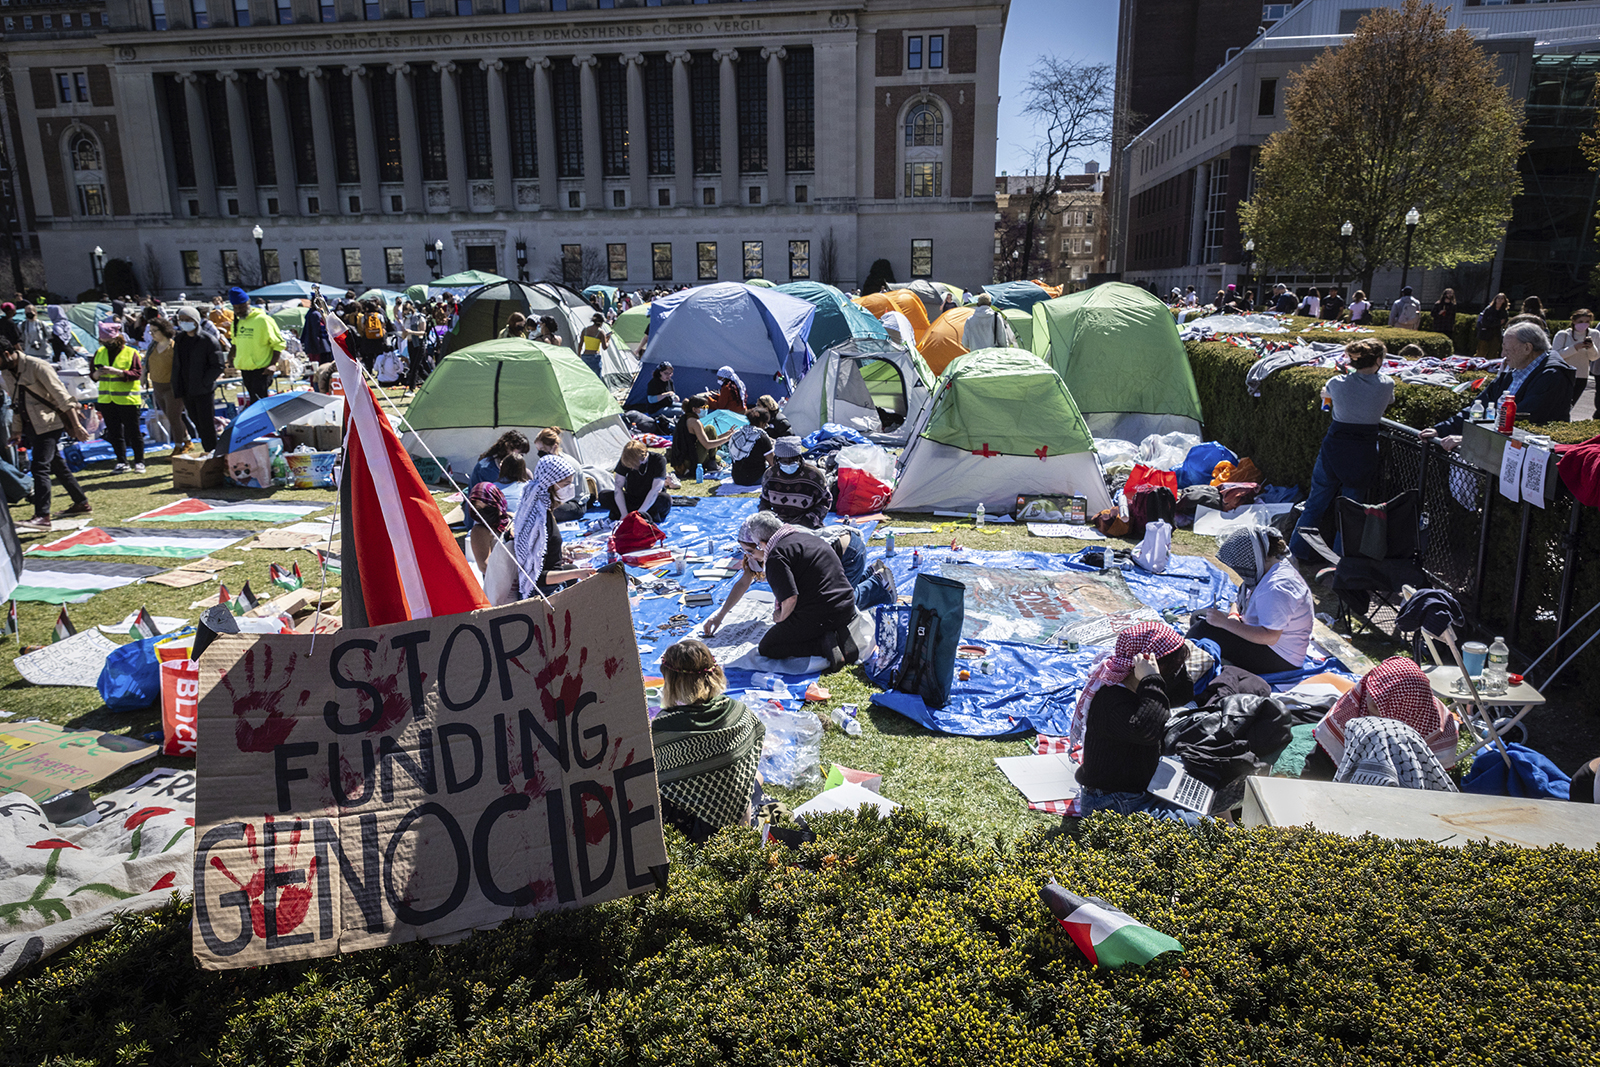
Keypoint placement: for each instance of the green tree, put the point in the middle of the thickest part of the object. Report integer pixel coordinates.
(1406, 114)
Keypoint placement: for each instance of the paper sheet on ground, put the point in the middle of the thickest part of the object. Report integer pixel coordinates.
(75, 661)
(1065, 529)
(165, 623)
(1041, 778)
(743, 627)
(1216, 523)
(42, 759)
(1046, 607)
(181, 579)
(847, 798)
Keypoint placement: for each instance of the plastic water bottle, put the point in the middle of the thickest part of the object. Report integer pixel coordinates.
(916, 559)
(1194, 596)
(845, 721)
(1495, 669)
(978, 515)
(888, 540)
(1476, 412)
(699, 472)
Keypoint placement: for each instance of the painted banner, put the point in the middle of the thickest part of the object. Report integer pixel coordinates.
(421, 779)
(194, 509)
(1046, 607)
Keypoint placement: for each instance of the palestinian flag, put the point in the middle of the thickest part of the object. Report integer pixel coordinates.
(111, 541)
(143, 625)
(245, 601)
(284, 578)
(328, 560)
(10, 555)
(1110, 938)
(197, 510)
(222, 594)
(11, 618)
(72, 581)
(64, 628)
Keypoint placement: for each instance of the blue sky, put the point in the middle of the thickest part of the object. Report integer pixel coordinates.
(1081, 30)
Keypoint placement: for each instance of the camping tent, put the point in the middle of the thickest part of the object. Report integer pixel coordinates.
(290, 316)
(630, 326)
(1021, 323)
(514, 384)
(1117, 349)
(931, 294)
(608, 295)
(855, 383)
(291, 289)
(1000, 424)
(462, 281)
(838, 318)
(760, 283)
(942, 343)
(1021, 295)
(902, 300)
(484, 311)
(760, 333)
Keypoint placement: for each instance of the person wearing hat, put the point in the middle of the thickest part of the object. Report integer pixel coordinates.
(692, 446)
(595, 336)
(196, 366)
(35, 334)
(41, 408)
(1272, 629)
(730, 394)
(1406, 312)
(117, 370)
(256, 344)
(793, 489)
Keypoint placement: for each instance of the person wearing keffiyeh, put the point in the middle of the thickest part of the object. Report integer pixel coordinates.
(707, 745)
(730, 395)
(538, 542)
(1394, 689)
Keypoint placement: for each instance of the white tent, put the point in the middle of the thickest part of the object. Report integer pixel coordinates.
(863, 383)
(618, 367)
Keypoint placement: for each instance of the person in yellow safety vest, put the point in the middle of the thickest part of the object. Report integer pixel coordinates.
(256, 344)
(594, 338)
(117, 370)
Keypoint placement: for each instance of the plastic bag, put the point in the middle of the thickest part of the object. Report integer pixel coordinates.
(1143, 475)
(870, 458)
(1201, 461)
(131, 677)
(791, 753)
(1114, 450)
(1154, 550)
(860, 493)
(1166, 452)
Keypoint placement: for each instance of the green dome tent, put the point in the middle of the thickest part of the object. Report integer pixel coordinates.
(1117, 349)
(1021, 323)
(630, 326)
(514, 384)
(466, 279)
(1001, 423)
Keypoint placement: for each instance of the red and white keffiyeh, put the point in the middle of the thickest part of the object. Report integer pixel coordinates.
(1144, 638)
(1394, 689)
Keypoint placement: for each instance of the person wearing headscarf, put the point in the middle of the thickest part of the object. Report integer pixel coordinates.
(730, 394)
(539, 556)
(1394, 689)
(707, 745)
(486, 504)
(62, 342)
(1272, 629)
(1121, 720)
(793, 489)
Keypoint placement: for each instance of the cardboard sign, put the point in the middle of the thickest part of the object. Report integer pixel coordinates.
(42, 759)
(422, 779)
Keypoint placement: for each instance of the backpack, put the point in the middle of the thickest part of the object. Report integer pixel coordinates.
(927, 668)
(636, 533)
(1149, 503)
(372, 326)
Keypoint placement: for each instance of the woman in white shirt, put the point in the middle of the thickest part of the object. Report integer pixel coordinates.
(1311, 305)
(1359, 306)
(1272, 630)
(1576, 348)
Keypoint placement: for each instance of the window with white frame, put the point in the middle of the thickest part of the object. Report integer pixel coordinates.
(88, 173)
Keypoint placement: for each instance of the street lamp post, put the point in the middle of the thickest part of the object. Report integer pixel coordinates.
(97, 267)
(1344, 250)
(522, 260)
(1249, 265)
(1413, 218)
(261, 257)
(438, 258)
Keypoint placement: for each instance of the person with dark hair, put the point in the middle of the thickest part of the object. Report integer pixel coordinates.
(196, 365)
(1406, 312)
(487, 469)
(1530, 371)
(594, 338)
(40, 409)
(1272, 630)
(1311, 305)
(158, 361)
(777, 425)
(692, 446)
(516, 325)
(1444, 314)
(707, 745)
(751, 450)
(1575, 345)
(549, 332)
(1347, 462)
(1360, 309)
(1332, 306)
(660, 400)
(1533, 307)
(1491, 321)
(117, 371)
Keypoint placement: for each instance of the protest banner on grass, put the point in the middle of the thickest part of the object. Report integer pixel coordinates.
(421, 779)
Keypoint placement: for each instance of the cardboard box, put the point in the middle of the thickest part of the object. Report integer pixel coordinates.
(197, 472)
(323, 438)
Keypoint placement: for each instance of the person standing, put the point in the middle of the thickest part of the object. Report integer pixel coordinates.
(117, 371)
(986, 327)
(1360, 309)
(1347, 463)
(1444, 314)
(1311, 306)
(1491, 325)
(41, 408)
(414, 328)
(256, 344)
(1575, 346)
(314, 333)
(1406, 312)
(196, 366)
(1332, 306)
(595, 337)
(1532, 307)
(158, 362)
(35, 335)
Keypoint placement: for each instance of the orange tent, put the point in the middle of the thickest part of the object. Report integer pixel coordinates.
(1053, 290)
(904, 301)
(943, 341)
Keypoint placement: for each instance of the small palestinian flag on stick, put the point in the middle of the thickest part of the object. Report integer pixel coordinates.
(223, 596)
(64, 627)
(286, 579)
(245, 601)
(1108, 937)
(144, 626)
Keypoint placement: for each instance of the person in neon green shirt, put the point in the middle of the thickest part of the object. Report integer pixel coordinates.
(256, 344)
(117, 371)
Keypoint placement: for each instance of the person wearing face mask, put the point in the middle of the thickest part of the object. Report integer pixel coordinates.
(793, 489)
(117, 371)
(158, 361)
(544, 566)
(41, 408)
(692, 446)
(35, 335)
(1575, 346)
(196, 366)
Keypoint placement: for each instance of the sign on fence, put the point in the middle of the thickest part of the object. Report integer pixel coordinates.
(421, 780)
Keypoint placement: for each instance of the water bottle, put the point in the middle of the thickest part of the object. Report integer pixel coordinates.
(916, 559)
(699, 472)
(845, 722)
(888, 540)
(1494, 670)
(978, 515)
(1476, 412)
(1194, 596)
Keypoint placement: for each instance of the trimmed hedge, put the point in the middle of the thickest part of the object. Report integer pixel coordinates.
(1432, 344)
(1283, 429)
(898, 943)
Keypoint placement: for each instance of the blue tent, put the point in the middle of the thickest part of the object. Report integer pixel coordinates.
(1020, 296)
(838, 317)
(608, 295)
(289, 290)
(270, 415)
(760, 333)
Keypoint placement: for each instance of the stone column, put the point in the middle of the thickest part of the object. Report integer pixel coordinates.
(454, 144)
(544, 123)
(594, 183)
(638, 136)
(282, 145)
(410, 141)
(244, 159)
(205, 167)
(728, 113)
(366, 140)
(682, 129)
(322, 141)
(777, 142)
(505, 197)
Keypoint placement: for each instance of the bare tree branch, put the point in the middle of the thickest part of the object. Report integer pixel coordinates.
(1072, 105)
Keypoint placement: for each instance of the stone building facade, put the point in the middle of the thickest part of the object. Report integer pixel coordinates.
(1069, 240)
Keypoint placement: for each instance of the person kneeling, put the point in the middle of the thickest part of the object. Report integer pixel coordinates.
(641, 481)
(814, 602)
(1122, 719)
(707, 745)
(1273, 630)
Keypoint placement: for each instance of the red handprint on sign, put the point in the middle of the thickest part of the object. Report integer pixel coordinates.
(260, 723)
(294, 901)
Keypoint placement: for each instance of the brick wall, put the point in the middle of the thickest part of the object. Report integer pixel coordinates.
(958, 137)
(962, 54)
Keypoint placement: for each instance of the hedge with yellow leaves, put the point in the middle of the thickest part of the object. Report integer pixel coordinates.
(898, 943)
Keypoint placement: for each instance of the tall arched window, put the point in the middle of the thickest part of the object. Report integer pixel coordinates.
(924, 149)
(88, 173)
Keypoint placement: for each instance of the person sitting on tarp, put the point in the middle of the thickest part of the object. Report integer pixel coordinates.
(730, 395)
(1121, 721)
(707, 745)
(793, 489)
(542, 564)
(751, 449)
(1394, 689)
(1531, 372)
(487, 468)
(1273, 628)
(691, 445)
(814, 602)
(640, 484)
